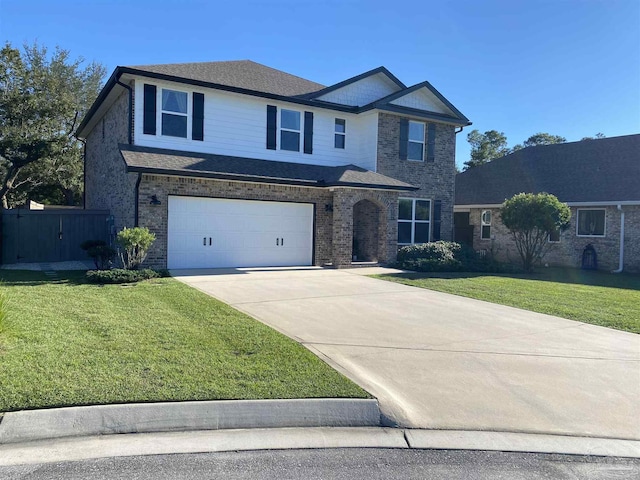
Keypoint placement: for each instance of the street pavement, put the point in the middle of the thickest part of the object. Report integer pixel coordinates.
(440, 361)
(343, 464)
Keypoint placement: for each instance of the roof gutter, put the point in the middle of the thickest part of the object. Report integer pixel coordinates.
(621, 258)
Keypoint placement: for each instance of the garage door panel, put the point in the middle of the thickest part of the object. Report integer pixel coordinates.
(244, 233)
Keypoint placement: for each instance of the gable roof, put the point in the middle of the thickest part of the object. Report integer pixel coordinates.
(251, 78)
(224, 167)
(598, 171)
(357, 78)
(386, 103)
(244, 74)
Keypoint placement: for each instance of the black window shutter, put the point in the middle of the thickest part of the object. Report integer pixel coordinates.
(272, 123)
(149, 116)
(197, 121)
(308, 132)
(431, 142)
(404, 138)
(437, 219)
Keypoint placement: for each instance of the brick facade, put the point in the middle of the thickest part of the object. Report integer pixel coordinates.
(568, 252)
(436, 179)
(107, 184)
(333, 229)
(340, 213)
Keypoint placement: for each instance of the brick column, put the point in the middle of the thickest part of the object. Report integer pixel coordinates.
(342, 228)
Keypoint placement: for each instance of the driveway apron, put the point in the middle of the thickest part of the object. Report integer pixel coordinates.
(440, 361)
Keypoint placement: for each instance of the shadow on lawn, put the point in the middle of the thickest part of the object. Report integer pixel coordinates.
(28, 278)
(559, 275)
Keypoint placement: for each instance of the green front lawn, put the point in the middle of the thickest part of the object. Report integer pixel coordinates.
(592, 297)
(69, 343)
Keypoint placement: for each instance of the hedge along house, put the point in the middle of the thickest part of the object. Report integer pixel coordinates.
(599, 180)
(235, 164)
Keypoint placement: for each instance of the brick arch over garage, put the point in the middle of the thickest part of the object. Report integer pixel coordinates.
(344, 201)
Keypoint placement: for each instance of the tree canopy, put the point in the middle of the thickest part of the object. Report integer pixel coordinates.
(485, 147)
(531, 218)
(42, 98)
(492, 144)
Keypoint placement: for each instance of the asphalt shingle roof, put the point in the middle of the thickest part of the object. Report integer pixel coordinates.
(600, 170)
(172, 162)
(240, 74)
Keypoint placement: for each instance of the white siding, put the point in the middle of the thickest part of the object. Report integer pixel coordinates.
(236, 125)
(422, 99)
(363, 91)
(369, 141)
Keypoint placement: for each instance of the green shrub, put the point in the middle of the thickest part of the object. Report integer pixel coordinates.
(448, 257)
(101, 253)
(134, 243)
(120, 275)
(430, 257)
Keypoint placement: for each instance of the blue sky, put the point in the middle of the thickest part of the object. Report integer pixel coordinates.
(567, 67)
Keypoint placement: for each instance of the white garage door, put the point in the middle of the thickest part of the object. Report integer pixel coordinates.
(219, 233)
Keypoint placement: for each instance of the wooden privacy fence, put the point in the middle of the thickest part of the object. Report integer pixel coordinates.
(51, 235)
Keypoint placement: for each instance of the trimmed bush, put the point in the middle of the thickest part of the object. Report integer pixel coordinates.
(134, 243)
(448, 257)
(430, 257)
(120, 275)
(101, 253)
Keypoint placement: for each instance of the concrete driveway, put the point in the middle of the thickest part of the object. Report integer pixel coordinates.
(441, 361)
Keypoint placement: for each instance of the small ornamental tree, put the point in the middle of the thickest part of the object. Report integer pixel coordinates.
(531, 218)
(134, 245)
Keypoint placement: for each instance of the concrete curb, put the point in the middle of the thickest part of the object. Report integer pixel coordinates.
(165, 443)
(30, 425)
(521, 442)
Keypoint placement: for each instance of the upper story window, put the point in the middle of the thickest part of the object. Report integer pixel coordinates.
(289, 130)
(591, 223)
(485, 225)
(415, 148)
(174, 113)
(414, 220)
(178, 113)
(340, 133)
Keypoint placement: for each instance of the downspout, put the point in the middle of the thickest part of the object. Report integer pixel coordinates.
(458, 131)
(136, 200)
(621, 261)
(130, 107)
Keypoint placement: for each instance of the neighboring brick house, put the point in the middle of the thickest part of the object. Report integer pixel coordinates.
(599, 180)
(235, 164)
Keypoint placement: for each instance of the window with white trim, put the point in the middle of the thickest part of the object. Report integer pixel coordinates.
(290, 130)
(174, 113)
(415, 147)
(414, 221)
(340, 134)
(485, 225)
(591, 223)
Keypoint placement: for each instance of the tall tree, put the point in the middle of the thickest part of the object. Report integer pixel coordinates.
(539, 139)
(543, 139)
(485, 147)
(42, 98)
(597, 135)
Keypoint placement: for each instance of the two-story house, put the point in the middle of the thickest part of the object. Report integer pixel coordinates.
(235, 164)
